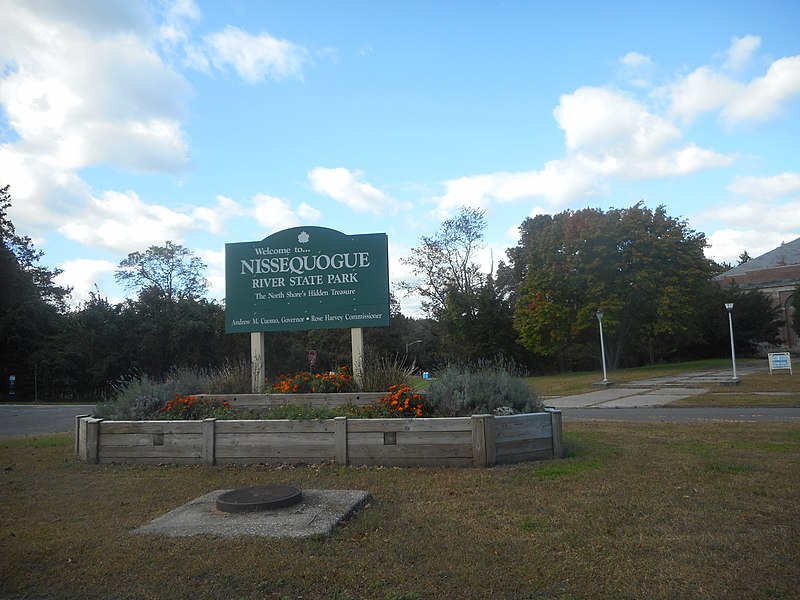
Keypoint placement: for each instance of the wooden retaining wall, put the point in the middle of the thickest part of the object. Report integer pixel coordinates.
(480, 440)
(256, 401)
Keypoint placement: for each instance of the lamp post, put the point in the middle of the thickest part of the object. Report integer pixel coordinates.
(729, 307)
(599, 314)
(412, 343)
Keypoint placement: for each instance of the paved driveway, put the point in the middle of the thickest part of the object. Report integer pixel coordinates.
(656, 391)
(37, 419)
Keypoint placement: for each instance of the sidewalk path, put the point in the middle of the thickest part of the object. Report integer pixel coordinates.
(656, 391)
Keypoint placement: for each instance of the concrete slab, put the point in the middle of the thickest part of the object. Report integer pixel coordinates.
(643, 401)
(678, 392)
(593, 398)
(319, 512)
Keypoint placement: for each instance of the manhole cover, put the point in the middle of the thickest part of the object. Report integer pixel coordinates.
(262, 497)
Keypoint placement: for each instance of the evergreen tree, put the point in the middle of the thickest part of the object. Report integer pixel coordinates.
(31, 307)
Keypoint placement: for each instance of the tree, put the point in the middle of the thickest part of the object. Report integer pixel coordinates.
(756, 321)
(744, 257)
(31, 308)
(472, 315)
(171, 271)
(641, 266)
(27, 258)
(445, 262)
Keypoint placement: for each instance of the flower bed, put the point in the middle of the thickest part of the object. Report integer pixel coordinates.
(479, 440)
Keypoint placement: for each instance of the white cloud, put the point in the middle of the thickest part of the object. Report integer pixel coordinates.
(708, 89)
(765, 96)
(83, 275)
(275, 214)
(215, 261)
(634, 59)
(608, 135)
(637, 69)
(701, 91)
(78, 99)
(601, 121)
(768, 214)
(772, 187)
(81, 85)
(255, 57)
(178, 15)
(741, 52)
(123, 223)
(727, 244)
(344, 186)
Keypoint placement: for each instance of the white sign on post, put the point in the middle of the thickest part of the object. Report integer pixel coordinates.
(780, 360)
(312, 357)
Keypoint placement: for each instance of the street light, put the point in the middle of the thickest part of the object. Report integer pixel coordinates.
(599, 314)
(729, 306)
(412, 343)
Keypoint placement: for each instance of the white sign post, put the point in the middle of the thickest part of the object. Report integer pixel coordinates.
(780, 360)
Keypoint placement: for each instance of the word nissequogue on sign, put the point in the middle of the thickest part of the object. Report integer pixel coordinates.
(307, 278)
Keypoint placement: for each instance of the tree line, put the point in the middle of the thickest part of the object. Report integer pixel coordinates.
(643, 268)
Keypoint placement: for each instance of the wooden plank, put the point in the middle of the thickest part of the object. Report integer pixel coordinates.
(93, 440)
(413, 438)
(164, 453)
(275, 426)
(267, 452)
(284, 460)
(177, 427)
(209, 439)
(480, 454)
(524, 446)
(78, 432)
(360, 451)
(434, 438)
(275, 439)
(146, 439)
(558, 436)
(421, 424)
(340, 440)
(139, 460)
(82, 435)
(411, 462)
(491, 442)
(520, 426)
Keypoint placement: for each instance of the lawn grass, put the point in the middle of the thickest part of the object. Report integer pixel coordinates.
(636, 510)
(781, 389)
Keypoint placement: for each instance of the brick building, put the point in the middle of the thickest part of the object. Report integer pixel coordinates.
(775, 274)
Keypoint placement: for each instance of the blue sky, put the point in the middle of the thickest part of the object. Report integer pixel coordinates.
(127, 123)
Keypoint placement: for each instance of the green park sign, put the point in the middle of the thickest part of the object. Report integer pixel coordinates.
(307, 278)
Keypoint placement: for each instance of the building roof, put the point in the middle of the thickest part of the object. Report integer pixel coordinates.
(787, 254)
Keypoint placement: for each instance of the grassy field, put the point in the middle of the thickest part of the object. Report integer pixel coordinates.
(635, 511)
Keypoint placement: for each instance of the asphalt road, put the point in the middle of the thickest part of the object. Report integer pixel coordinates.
(37, 419)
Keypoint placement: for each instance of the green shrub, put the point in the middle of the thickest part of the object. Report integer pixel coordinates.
(378, 374)
(230, 378)
(143, 397)
(484, 388)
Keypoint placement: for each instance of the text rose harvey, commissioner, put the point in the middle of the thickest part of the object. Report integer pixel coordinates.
(307, 278)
